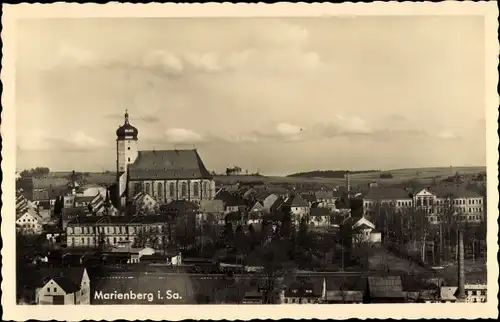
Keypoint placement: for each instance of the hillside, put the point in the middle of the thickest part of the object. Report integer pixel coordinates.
(328, 173)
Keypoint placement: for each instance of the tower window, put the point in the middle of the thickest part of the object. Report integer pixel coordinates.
(128, 148)
(160, 189)
(128, 159)
(184, 189)
(172, 189)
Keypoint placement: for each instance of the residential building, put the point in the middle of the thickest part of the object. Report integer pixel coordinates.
(361, 230)
(299, 208)
(165, 175)
(325, 199)
(145, 203)
(301, 292)
(344, 289)
(231, 201)
(29, 222)
(63, 286)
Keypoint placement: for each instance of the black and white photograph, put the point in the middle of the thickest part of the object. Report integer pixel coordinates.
(267, 160)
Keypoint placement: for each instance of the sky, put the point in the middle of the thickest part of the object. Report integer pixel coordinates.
(274, 95)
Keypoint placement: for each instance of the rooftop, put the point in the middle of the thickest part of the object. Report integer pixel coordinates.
(168, 164)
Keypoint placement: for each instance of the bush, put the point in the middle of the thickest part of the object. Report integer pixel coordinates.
(386, 175)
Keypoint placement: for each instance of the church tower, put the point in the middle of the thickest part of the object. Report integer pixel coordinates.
(126, 153)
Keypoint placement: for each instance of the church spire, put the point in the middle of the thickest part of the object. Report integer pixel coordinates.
(126, 117)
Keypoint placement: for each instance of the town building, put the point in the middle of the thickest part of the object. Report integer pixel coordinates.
(96, 231)
(63, 286)
(301, 292)
(29, 222)
(165, 175)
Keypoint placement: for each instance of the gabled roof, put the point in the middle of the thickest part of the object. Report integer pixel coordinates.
(180, 206)
(453, 191)
(72, 275)
(168, 164)
(66, 284)
(296, 201)
(303, 289)
(31, 213)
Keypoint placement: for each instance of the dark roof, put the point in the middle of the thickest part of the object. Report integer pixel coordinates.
(104, 220)
(168, 164)
(296, 201)
(309, 197)
(69, 277)
(391, 286)
(84, 199)
(179, 206)
(41, 194)
(127, 131)
(229, 199)
(320, 212)
(381, 193)
(346, 283)
(453, 191)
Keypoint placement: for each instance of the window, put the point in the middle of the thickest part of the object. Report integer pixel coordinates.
(55, 289)
(83, 240)
(196, 189)
(128, 148)
(128, 159)
(148, 188)
(48, 289)
(160, 189)
(184, 189)
(172, 189)
(205, 188)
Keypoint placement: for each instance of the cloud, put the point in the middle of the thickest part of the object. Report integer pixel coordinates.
(288, 129)
(344, 126)
(40, 140)
(183, 136)
(447, 135)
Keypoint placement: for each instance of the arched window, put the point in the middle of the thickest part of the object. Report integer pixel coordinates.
(147, 188)
(196, 189)
(184, 189)
(160, 189)
(172, 189)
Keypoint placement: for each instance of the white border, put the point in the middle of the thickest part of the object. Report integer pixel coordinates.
(178, 312)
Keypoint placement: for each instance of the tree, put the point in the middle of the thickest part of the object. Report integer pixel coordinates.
(240, 241)
(272, 258)
(37, 172)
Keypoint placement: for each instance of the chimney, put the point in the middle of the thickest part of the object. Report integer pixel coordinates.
(461, 269)
(348, 182)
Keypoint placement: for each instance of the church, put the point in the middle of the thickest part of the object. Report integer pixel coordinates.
(165, 175)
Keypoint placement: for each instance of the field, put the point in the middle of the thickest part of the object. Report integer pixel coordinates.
(423, 175)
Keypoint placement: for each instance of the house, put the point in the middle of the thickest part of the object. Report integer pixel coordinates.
(254, 218)
(256, 207)
(145, 203)
(299, 208)
(310, 198)
(63, 286)
(301, 292)
(29, 222)
(325, 199)
(344, 289)
(362, 230)
(386, 289)
(23, 204)
(268, 202)
(232, 202)
(83, 201)
(321, 217)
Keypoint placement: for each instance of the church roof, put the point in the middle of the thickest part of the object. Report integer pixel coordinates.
(168, 164)
(127, 131)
